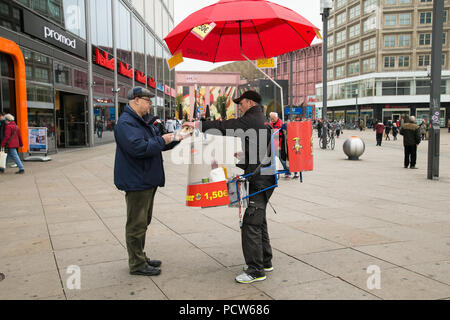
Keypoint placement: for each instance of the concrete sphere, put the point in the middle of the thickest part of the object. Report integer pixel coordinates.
(354, 147)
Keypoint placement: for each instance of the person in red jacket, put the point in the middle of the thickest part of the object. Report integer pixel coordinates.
(380, 130)
(12, 140)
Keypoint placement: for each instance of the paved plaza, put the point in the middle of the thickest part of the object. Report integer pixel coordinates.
(346, 219)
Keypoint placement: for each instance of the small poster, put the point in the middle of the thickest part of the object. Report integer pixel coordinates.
(300, 146)
(37, 138)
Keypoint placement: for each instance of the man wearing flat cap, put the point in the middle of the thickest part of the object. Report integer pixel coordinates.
(255, 237)
(138, 170)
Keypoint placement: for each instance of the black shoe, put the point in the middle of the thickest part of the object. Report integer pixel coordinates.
(20, 172)
(154, 263)
(146, 271)
(414, 167)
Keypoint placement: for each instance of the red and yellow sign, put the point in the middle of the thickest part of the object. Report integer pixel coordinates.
(207, 195)
(300, 146)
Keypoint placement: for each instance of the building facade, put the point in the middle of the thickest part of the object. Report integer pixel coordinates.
(306, 72)
(378, 55)
(53, 37)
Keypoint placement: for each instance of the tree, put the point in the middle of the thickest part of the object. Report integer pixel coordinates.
(221, 104)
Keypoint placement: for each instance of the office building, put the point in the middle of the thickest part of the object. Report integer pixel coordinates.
(378, 55)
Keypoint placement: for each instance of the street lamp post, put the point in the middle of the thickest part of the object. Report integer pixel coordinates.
(325, 7)
(356, 106)
(195, 103)
(435, 98)
(291, 56)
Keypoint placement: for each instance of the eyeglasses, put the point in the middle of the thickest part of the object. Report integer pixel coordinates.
(240, 103)
(146, 99)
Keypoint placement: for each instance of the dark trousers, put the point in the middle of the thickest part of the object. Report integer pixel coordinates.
(255, 237)
(379, 138)
(139, 216)
(410, 155)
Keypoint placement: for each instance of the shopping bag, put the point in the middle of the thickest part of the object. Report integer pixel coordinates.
(3, 156)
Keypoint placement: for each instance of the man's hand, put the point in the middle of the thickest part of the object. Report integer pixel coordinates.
(168, 138)
(192, 125)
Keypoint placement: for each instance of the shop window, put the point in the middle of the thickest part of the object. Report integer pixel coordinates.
(422, 87)
(80, 79)
(6, 66)
(99, 86)
(63, 74)
(388, 88)
(403, 88)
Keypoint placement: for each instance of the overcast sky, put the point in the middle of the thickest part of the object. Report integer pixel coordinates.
(309, 9)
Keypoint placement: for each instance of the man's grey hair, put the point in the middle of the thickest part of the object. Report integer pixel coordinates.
(274, 114)
(412, 119)
(9, 117)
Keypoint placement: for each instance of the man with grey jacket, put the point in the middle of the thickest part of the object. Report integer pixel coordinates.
(411, 139)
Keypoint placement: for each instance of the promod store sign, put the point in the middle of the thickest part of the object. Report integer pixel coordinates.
(53, 34)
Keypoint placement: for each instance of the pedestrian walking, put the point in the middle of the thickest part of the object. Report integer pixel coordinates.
(394, 131)
(319, 128)
(254, 234)
(379, 129)
(387, 130)
(411, 139)
(12, 140)
(338, 129)
(423, 129)
(138, 170)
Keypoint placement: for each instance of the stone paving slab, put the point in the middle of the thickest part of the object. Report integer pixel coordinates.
(344, 217)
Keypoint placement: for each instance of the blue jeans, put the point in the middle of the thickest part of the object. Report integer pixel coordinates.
(12, 153)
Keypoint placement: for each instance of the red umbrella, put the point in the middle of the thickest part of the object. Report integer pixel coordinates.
(257, 28)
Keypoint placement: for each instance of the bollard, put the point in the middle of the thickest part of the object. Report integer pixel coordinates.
(354, 147)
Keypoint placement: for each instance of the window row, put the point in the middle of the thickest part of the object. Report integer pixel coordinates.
(404, 40)
(353, 50)
(381, 87)
(423, 60)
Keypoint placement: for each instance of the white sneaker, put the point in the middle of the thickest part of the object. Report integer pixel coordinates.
(246, 278)
(13, 166)
(245, 268)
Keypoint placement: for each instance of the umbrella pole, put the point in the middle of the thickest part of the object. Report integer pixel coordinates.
(274, 82)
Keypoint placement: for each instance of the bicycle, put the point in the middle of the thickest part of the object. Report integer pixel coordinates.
(331, 141)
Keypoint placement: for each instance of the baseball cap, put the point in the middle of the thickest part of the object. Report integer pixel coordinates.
(139, 92)
(250, 95)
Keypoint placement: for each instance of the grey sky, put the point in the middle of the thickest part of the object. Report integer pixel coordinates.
(310, 9)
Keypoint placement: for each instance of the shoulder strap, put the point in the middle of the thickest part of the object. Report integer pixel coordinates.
(12, 136)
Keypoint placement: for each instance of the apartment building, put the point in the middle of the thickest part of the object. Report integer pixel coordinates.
(378, 55)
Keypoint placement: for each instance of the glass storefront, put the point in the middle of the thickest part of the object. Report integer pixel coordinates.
(57, 88)
(395, 114)
(424, 114)
(7, 85)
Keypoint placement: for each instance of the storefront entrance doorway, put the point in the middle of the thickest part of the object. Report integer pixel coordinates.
(71, 125)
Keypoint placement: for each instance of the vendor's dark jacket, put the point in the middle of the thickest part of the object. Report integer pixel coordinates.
(139, 164)
(255, 119)
(411, 134)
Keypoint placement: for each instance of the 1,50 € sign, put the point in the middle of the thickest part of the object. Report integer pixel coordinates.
(207, 195)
